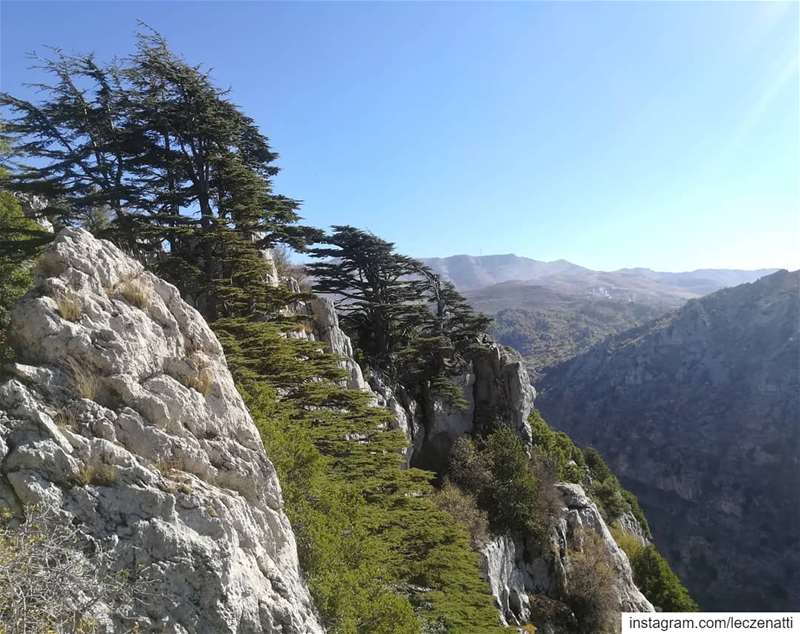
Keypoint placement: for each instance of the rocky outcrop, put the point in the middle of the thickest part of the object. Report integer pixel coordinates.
(698, 413)
(123, 416)
(326, 328)
(497, 391)
(531, 582)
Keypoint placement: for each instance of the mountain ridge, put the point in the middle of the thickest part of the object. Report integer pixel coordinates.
(698, 413)
(447, 266)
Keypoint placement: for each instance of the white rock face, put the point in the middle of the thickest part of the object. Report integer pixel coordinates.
(517, 570)
(497, 390)
(126, 418)
(326, 328)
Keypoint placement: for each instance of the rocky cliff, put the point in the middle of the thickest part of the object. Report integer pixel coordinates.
(699, 414)
(497, 391)
(530, 580)
(122, 415)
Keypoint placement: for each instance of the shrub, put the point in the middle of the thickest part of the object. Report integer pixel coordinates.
(627, 542)
(464, 509)
(468, 468)
(637, 512)
(50, 264)
(608, 495)
(500, 477)
(98, 474)
(50, 578)
(15, 272)
(658, 583)
(513, 488)
(591, 587)
(557, 448)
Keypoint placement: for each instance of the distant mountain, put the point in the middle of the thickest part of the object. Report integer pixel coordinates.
(469, 272)
(699, 414)
(551, 311)
(547, 326)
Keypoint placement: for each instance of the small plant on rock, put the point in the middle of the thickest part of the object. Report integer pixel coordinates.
(98, 474)
(69, 307)
(84, 382)
(135, 292)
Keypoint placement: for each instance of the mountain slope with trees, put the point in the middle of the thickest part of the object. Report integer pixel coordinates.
(698, 413)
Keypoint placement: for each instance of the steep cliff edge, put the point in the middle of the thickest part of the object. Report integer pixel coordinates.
(699, 414)
(123, 416)
(531, 580)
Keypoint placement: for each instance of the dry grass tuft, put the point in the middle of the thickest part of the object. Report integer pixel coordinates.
(99, 474)
(84, 382)
(69, 307)
(64, 419)
(135, 292)
(203, 378)
(166, 466)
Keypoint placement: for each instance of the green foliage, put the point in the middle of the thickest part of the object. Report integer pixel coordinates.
(637, 511)
(557, 449)
(149, 153)
(15, 266)
(653, 575)
(513, 490)
(659, 583)
(464, 508)
(499, 476)
(379, 553)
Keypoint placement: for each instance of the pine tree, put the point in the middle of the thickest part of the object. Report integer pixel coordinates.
(181, 174)
(402, 317)
(373, 289)
(75, 147)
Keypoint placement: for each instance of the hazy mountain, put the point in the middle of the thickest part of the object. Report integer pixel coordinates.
(551, 311)
(470, 272)
(547, 326)
(699, 413)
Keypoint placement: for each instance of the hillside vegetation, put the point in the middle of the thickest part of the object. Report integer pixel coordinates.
(148, 153)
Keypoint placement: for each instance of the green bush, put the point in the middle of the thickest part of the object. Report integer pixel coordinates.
(15, 268)
(557, 448)
(659, 583)
(464, 509)
(498, 474)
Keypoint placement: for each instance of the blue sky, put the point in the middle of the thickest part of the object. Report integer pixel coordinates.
(623, 134)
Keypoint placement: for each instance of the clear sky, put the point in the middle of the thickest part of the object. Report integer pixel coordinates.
(652, 134)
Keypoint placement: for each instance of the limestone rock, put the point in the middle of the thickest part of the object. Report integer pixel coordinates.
(326, 328)
(498, 392)
(125, 417)
(524, 575)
